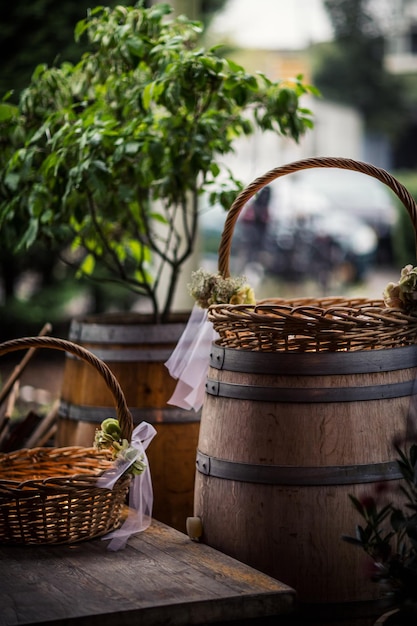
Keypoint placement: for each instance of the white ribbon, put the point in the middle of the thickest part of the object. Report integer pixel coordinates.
(140, 494)
(190, 361)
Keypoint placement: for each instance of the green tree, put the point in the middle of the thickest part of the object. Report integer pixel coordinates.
(351, 69)
(109, 156)
(34, 33)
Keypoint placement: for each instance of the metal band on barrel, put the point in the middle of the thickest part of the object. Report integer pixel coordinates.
(96, 414)
(301, 476)
(309, 394)
(313, 363)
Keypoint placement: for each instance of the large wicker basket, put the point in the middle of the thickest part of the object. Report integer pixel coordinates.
(311, 325)
(50, 495)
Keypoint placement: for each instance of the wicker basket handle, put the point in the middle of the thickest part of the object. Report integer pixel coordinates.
(122, 411)
(265, 179)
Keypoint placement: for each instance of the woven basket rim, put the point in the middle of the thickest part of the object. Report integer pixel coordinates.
(300, 325)
(71, 461)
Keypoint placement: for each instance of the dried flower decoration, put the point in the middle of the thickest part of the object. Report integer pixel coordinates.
(403, 295)
(207, 289)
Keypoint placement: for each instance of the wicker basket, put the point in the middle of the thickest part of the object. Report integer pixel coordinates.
(311, 325)
(50, 495)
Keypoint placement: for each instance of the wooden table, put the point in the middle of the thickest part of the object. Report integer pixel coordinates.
(161, 577)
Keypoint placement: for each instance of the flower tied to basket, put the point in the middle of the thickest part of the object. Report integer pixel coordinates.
(403, 294)
(109, 437)
(207, 289)
(189, 361)
(129, 458)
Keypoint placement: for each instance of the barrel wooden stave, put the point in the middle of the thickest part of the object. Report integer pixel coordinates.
(293, 531)
(135, 352)
(310, 433)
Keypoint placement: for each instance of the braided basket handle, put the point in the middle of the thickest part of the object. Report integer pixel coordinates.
(265, 179)
(123, 414)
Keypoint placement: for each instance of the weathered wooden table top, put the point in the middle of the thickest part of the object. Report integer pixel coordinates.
(161, 577)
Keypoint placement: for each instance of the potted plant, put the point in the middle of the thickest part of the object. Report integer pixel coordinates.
(110, 156)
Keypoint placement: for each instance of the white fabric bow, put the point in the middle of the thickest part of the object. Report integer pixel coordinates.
(140, 494)
(190, 361)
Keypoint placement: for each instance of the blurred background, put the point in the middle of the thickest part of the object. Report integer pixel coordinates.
(327, 232)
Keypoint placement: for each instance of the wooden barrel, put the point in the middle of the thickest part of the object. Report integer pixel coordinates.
(135, 350)
(284, 439)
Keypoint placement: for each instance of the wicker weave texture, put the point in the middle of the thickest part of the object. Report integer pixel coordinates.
(308, 324)
(50, 495)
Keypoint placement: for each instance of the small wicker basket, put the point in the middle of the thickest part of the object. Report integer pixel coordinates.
(311, 325)
(50, 495)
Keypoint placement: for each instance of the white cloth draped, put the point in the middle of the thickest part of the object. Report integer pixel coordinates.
(189, 361)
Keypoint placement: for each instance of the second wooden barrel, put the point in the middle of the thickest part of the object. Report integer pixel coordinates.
(135, 350)
(284, 439)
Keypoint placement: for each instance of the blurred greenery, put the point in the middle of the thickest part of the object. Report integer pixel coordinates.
(25, 317)
(57, 304)
(403, 239)
(351, 69)
(42, 31)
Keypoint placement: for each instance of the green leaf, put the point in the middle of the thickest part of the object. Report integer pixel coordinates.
(7, 112)
(87, 266)
(100, 165)
(140, 252)
(12, 181)
(136, 47)
(234, 67)
(132, 147)
(147, 95)
(143, 276)
(80, 29)
(158, 11)
(158, 217)
(29, 236)
(214, 169)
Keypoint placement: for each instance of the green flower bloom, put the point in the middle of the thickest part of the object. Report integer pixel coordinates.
(110, 437)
